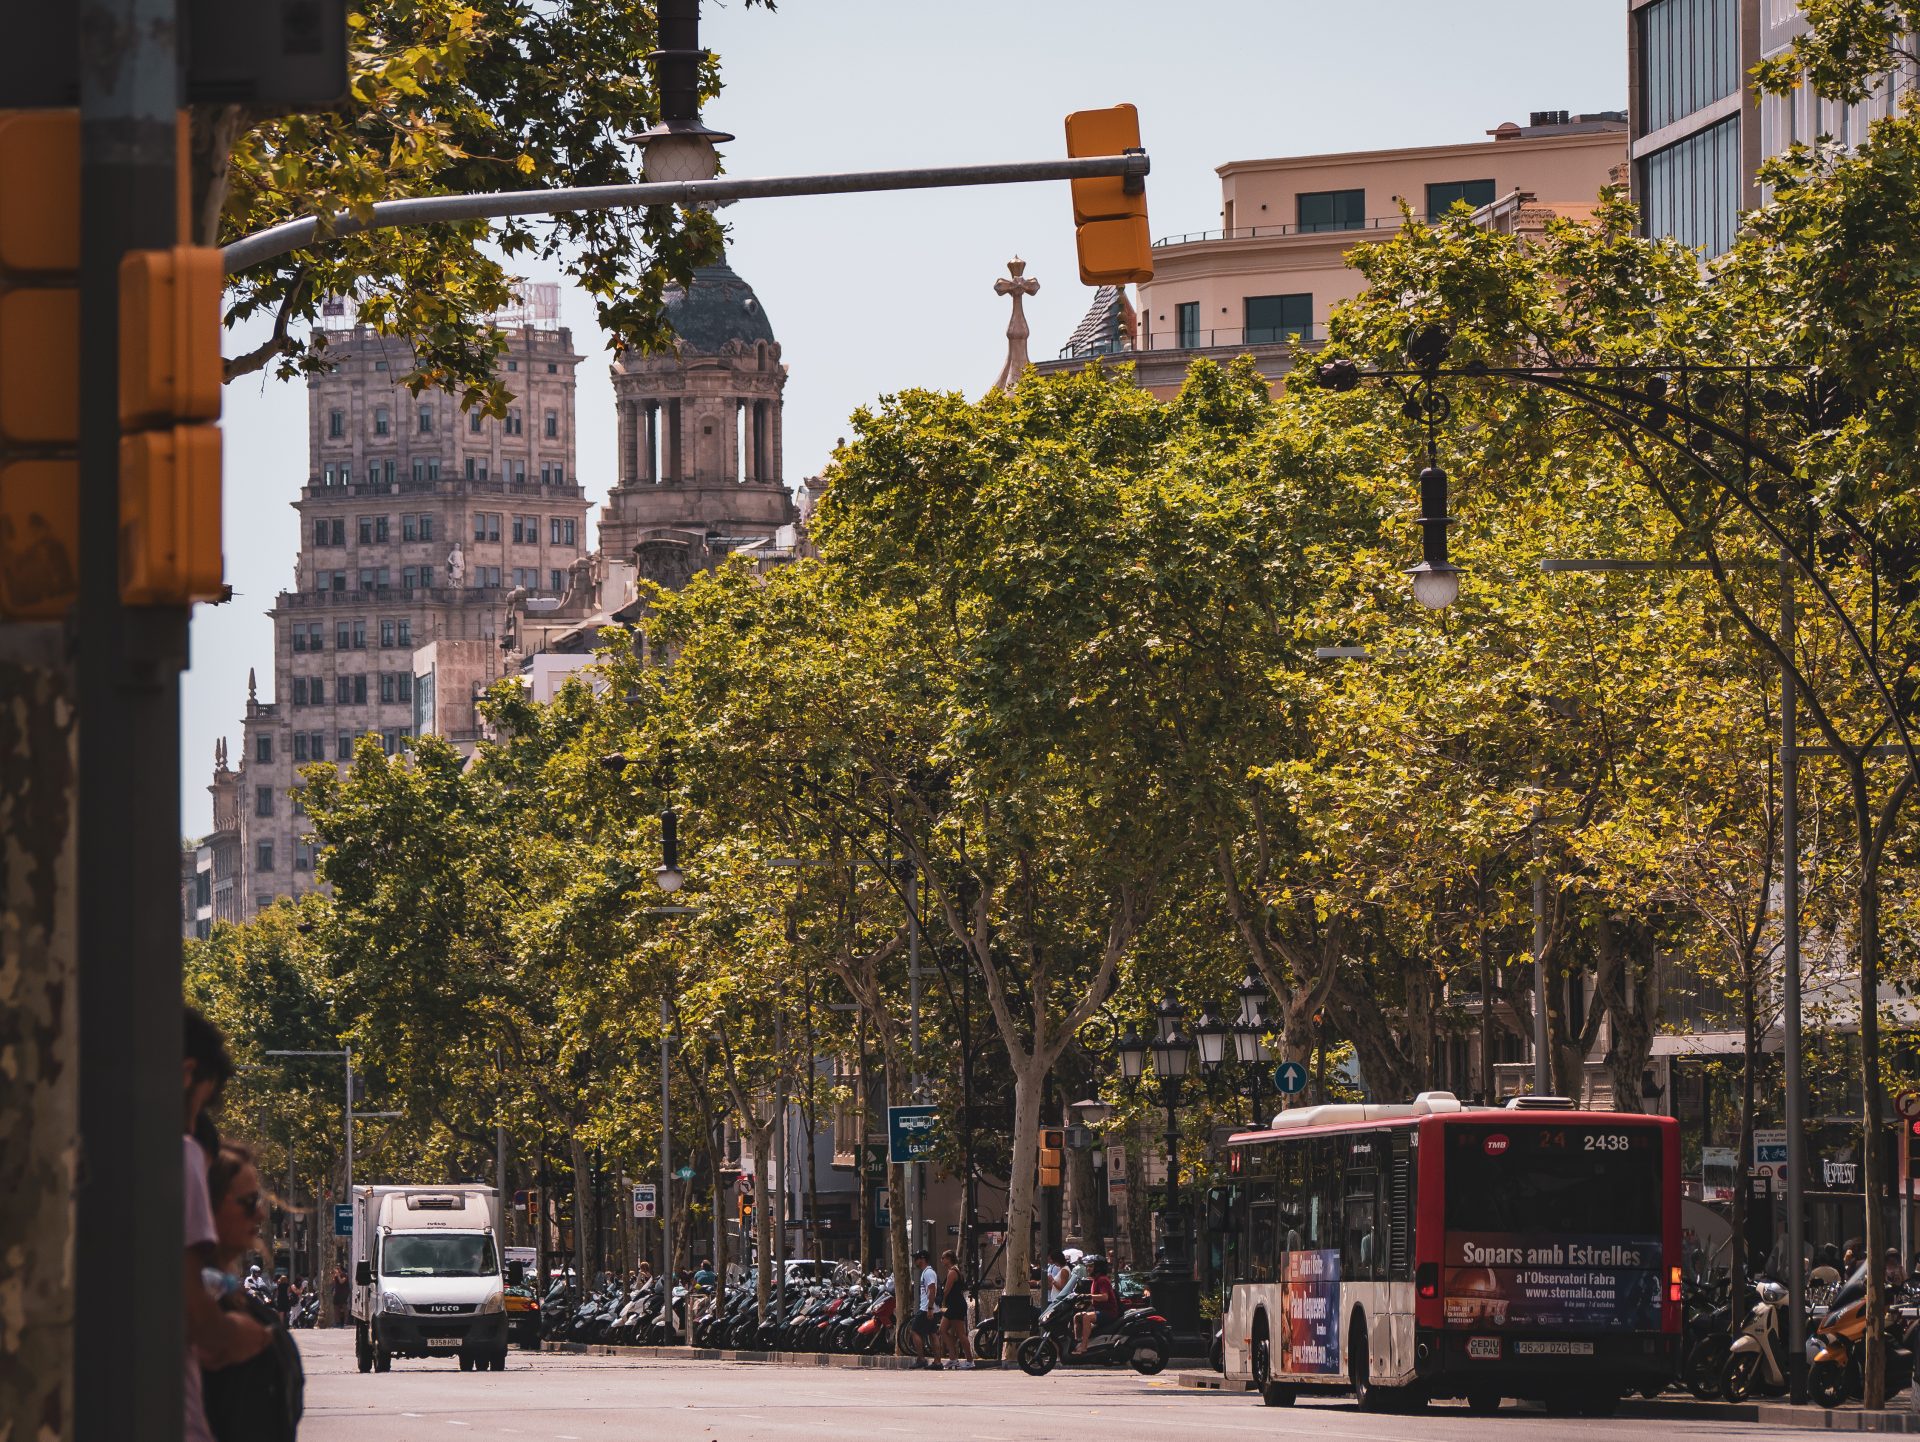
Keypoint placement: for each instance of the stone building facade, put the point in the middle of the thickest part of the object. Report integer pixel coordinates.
(417, 521)
(210, 868)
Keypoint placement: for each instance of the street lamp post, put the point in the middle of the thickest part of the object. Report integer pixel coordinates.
(1172, 1057)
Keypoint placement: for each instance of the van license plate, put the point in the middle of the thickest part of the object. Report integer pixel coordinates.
(1554, 1349)
(443, 1342)
(1483, 1349)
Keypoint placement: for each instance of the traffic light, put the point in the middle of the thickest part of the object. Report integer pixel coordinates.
(39, 363)
(746, 1210)
(170, 375)
(1053, 1141)
(533, 1211)
(1109, 212)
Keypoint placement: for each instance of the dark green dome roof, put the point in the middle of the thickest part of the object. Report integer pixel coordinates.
(716, 308)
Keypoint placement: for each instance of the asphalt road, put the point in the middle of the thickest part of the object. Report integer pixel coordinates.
(548, 1398)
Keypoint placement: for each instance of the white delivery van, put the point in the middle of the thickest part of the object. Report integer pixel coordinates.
(427, 1278)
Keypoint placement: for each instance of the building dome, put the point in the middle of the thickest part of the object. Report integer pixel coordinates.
(717, 309)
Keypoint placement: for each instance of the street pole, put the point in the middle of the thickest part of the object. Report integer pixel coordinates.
(1542, 1071)
(666, 1173)
(780, 1166)
(915, 1199)
(1790, 1008)
(127, 1197)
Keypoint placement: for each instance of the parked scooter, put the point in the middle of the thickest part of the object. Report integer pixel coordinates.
(1840, 1342)
(1139, 1337)
(1757, 1360)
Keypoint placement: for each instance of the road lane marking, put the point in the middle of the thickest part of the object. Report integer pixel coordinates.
(452, 1423)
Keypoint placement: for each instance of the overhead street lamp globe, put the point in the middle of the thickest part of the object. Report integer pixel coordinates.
(1436, 585)
(669, 878)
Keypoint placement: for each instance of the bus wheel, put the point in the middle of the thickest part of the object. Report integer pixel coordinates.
(1274, 1394)
(1365, 1393)
(1483, 1401)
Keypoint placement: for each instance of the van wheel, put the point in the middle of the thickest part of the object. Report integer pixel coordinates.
(382, 1360)
(466, 1362)
(1483, 1401)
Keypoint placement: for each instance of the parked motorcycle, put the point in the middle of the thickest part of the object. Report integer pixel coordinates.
(1834, 1374)
(1756, 1359)
(1139, 1337)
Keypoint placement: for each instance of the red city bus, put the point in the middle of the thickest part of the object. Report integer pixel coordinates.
(1431, 1250)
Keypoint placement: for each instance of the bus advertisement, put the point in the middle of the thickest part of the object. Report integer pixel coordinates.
(1434, 1250)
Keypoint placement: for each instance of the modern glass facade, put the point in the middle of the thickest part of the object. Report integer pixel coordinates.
(1691, 190)
(1689, 58)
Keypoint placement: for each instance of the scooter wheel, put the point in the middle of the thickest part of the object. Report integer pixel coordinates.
(1148, 1357)
(1706, 1365)
(1736, 1383)
(1827, 1384)
(1038, 1356)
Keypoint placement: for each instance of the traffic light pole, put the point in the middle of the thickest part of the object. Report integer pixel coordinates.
(428, 210)
(128, 1210)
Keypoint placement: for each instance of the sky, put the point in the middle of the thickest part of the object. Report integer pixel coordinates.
(872, 294)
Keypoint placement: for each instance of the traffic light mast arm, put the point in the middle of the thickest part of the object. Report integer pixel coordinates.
(427, 210)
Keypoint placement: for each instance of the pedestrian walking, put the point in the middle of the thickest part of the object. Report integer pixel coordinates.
(215, 1338)
(953, 1314)
(342, 1292)
(262, 1399)
(1059, 1276)
(926, 1336)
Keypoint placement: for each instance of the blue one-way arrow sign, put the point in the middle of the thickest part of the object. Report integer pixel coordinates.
(1290, 1077)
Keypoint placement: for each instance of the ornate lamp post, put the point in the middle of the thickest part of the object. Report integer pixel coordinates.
(1250, 1038)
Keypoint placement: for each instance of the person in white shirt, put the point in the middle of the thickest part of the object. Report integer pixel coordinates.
(219, 1338)
(926, 1309)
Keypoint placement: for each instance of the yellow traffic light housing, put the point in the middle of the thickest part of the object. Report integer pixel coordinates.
(1053, 1142)
(1109, 212)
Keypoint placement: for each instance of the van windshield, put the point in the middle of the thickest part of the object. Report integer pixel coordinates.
(438, 1254)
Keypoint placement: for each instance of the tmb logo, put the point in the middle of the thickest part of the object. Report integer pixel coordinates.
(1495, 1145)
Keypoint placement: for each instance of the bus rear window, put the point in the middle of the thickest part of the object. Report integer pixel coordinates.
(1516, 1177)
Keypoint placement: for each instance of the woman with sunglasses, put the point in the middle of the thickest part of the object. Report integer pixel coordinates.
(260, 1400)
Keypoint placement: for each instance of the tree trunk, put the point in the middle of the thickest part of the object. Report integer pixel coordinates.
(38, 1096)
(1029, 1084)
(584, 1220)
(760, 1136)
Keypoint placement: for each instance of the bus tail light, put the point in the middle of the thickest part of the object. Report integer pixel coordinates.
(1426, 1280)
(1673, 1284)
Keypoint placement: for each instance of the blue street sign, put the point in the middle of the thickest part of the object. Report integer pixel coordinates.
(343, 1219)
(910, 1133)
(1290, 1077)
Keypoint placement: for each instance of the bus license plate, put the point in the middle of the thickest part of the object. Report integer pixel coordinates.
(443, 1341)
(1553, 1349)
(1483, 1349)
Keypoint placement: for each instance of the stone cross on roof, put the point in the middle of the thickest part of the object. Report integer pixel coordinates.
(1015, 284)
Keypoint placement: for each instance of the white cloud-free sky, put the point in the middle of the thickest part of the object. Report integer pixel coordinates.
(874, 293)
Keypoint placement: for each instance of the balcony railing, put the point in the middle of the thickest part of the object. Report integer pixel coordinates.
(1262, 232)
(1239, 338)
(389, 596)
(445, 486)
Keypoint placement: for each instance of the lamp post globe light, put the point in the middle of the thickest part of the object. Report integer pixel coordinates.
(1210, 1034)
(1132, 1052)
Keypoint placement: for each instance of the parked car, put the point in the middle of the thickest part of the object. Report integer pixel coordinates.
(523, 1317)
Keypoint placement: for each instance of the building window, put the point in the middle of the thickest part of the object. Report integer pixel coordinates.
(366, 530)
(387, 633)
(359, 635)
(433, 470)
(263, 749)
(393, 742)
(553, 368)
(486, 525)
(302, 854)
(317, 745)
(406, 632)
(1443, 195)
(1691, 191)
(426, 578)
(300, 638)
(1186, 320)
(409, 578)
(263, 801)
(342, 635)
(409, 528)
(263, 856)
(1271, 319)
(1333, 210)
(382, 421)
(426, 526)
(514, 427)
(299, 690)
(343, 746)
(1689, 57)
(426, 420)
(520, 529)
(299, 746)
(379, 365)
(336, 425)
(339, 530)
(419, 469)
(340, 582)
(513, 365)
(553, 425)
(473, 422)
(562, 531)
(558, 579)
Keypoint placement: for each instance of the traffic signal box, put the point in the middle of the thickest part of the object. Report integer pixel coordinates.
(170, 371)
(1109, 212)
(1053, 1143)
(533, 1210)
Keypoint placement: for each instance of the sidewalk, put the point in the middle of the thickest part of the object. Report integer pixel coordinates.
(713, 1354)
(1684, 1409)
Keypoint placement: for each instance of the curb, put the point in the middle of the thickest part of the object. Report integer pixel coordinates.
(1767, 1414)
(712, 1354)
